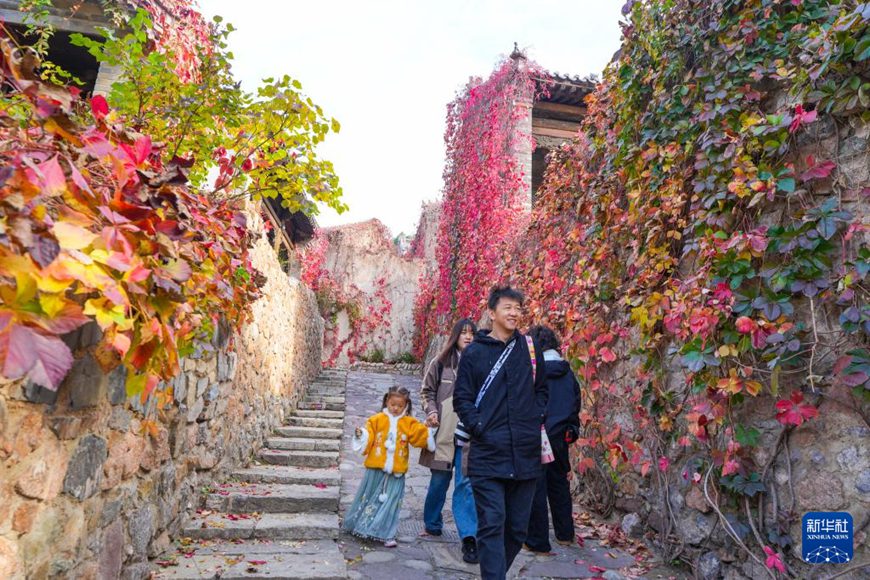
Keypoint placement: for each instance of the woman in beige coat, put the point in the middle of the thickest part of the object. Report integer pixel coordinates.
(437, 397)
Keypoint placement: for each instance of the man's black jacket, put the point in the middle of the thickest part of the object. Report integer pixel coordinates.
(506, 429)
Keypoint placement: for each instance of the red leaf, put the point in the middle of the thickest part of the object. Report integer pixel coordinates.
(257, 562)
(44, 359)
(139, 151)
(178, 270)
(52, 178)
(854, 379)
(842, 363)
(773, 560)
(597, 569)
(99, 106)
(820, 171)
(794, 411)
(745, 325)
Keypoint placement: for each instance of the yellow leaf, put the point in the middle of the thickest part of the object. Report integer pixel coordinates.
(752, 387)
(14, 264)
(25, 289)
(52, 304)
(71, 236)
(774, 381)
(135, 383)
(52, 285)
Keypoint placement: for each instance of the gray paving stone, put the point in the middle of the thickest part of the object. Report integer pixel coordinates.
(375, 557)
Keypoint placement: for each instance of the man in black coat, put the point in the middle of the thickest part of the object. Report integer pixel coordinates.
(501, 398)
(563, 429)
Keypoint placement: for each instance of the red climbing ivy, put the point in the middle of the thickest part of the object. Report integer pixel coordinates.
(367, 313)
(690, 260)
(95, 226)
(484, 198)
(180, 30)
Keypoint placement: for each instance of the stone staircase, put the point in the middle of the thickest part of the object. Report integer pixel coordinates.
(278, 518)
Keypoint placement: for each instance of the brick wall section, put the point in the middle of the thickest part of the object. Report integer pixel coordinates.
(523, 152)
(84, 494)
(105, 78)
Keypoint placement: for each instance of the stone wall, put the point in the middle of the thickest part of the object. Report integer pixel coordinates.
(87, 492)
(827, 463)
(426, 236)
(360, 256)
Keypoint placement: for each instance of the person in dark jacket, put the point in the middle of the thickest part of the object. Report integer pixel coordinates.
(501, 400)
(437, 396)
(563, 429)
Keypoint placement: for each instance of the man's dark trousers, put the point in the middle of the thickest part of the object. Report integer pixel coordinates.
(553, 486)
(503, 508)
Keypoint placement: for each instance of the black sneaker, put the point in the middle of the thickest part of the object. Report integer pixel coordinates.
(469, 551)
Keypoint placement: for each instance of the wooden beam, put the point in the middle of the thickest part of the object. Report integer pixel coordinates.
(547, 132)
(560, 108)
(280, 234)
(555, 124)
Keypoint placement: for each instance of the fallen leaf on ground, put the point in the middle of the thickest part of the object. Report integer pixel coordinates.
(166, 563)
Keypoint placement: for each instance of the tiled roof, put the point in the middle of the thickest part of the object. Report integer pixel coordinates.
(567, 90)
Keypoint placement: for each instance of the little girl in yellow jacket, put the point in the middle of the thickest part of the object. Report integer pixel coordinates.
(386, 442)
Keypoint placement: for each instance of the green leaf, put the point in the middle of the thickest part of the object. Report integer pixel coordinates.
(862, 49)
(747, 436)
(787, 184)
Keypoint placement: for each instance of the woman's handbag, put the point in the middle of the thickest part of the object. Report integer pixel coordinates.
(546, 449)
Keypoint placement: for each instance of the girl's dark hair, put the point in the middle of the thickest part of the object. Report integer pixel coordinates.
(447, 352)
(499, 292)
(545, 337)
(398, 391)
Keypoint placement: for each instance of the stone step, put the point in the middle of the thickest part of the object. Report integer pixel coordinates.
(295, 421)
(305, 526)
(324, 399)
(300, 458)
(329, 383)
(319, 406)
(309, 432)
(287, 475)
(303, 443)
(314, 560)
(333, 396)
(238, 498)
(319, 414)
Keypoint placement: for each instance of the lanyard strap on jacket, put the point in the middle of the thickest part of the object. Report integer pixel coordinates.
(492, 373)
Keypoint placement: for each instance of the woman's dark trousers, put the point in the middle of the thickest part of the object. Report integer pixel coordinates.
(552, 486)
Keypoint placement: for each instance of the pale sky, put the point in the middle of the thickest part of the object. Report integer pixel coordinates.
(386, 69)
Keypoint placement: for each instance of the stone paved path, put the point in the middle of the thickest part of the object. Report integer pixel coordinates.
(417, 558)
(277, 518)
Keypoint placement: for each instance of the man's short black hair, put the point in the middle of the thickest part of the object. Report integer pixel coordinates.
(545, 337)
(499, 292)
